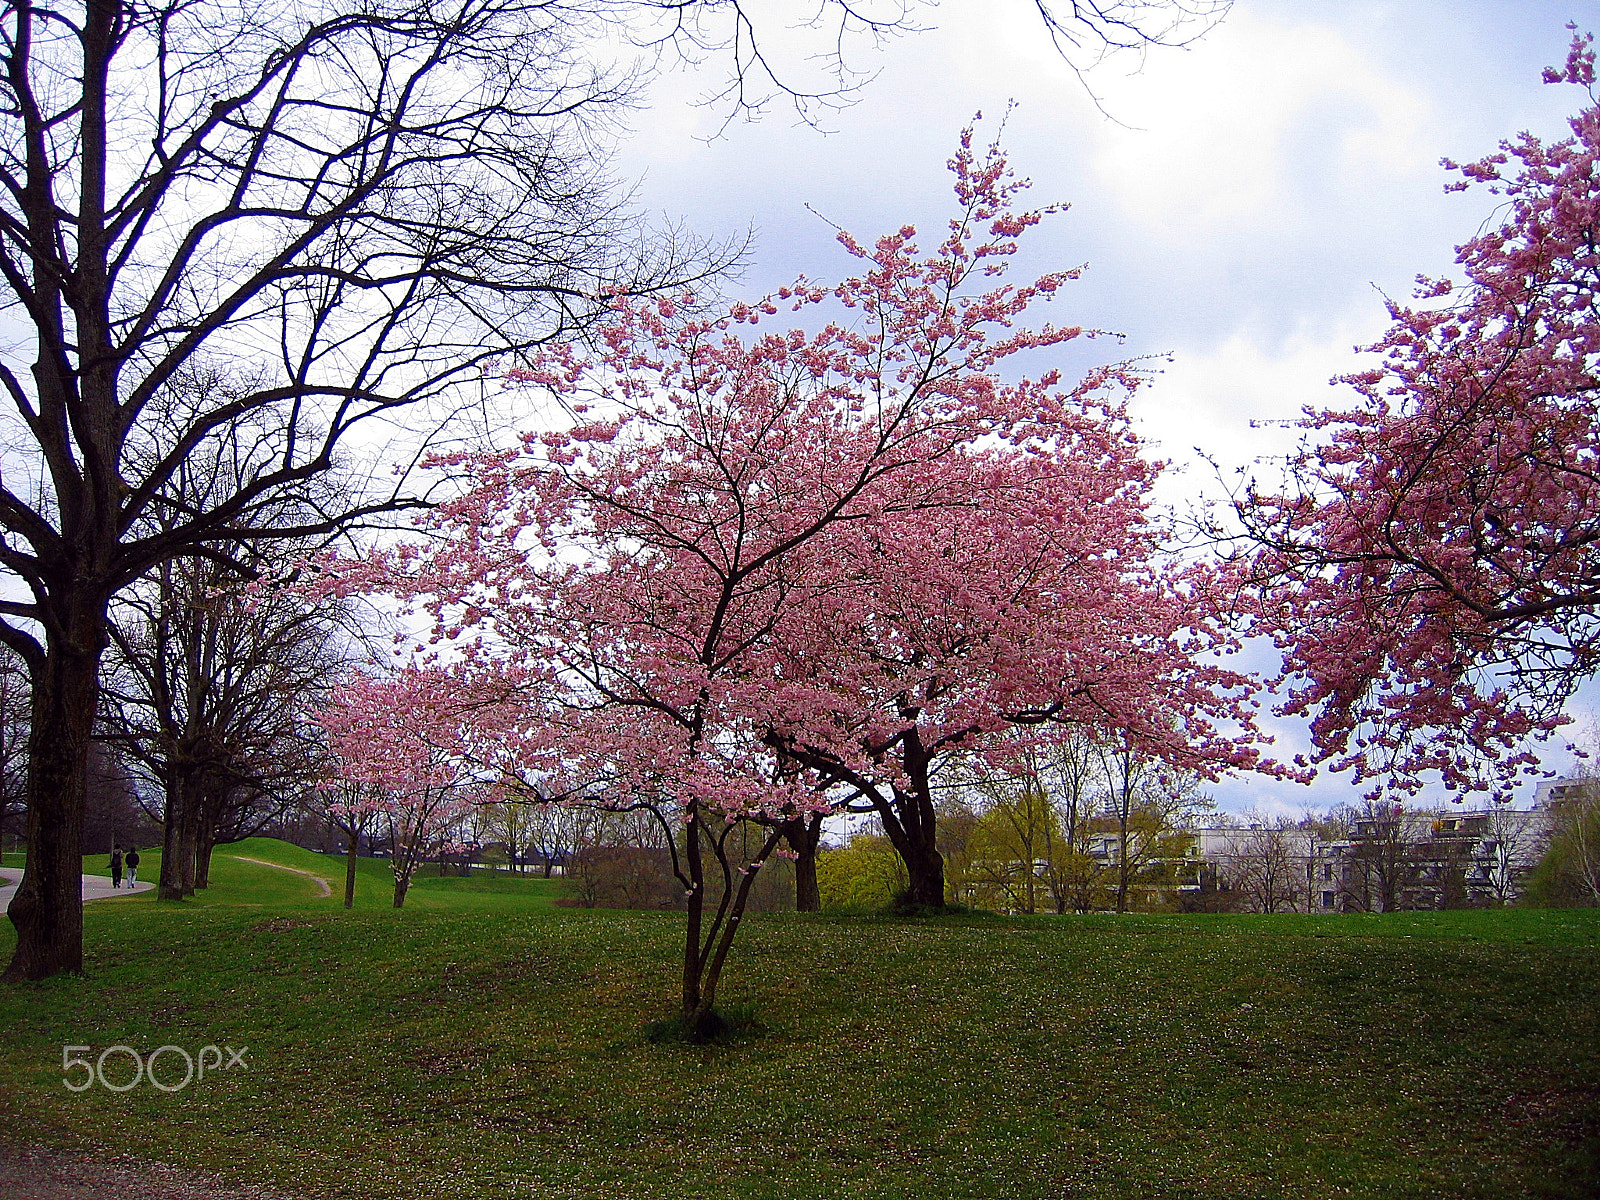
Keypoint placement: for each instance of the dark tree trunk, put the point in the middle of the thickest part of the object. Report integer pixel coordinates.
(703, 960)
(190, 836)
(404, 861)
(1124, 860)
(213, 803)
(696, 911)
(169, 885)
(47, 909)
(1122, 876)
(202, 855)
(803, 834)
(925, 876)
(910, 824)
(181, 839)
(350, 871)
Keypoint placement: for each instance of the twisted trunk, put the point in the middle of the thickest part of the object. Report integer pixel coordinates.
(703, 960)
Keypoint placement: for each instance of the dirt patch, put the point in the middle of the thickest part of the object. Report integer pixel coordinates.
(283, 924)
(1570, 1113)
(29, 1172)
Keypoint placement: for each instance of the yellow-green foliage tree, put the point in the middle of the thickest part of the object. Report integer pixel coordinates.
(958, 826)
(1569, 873)
(865, 874)
(1077, 881)
(1028, 843)
(1012, 845)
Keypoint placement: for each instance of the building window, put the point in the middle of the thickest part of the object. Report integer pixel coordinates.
(1327, 899)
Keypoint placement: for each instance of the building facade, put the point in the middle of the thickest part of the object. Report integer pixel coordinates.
(1386, 859)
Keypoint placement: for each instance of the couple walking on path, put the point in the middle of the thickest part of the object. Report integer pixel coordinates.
(118, 859)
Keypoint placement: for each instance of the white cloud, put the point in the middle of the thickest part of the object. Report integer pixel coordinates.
(1236, 401)
(1258, 129)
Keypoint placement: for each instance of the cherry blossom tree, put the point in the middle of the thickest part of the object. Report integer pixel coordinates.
(757, 575)
(1043, 601)
(1432, 568)
(399, 753)
(345, 805)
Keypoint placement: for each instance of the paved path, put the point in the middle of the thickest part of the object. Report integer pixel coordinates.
(95, 887)
(311, 875)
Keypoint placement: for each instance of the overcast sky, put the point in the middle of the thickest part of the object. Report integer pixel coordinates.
(1245, 210)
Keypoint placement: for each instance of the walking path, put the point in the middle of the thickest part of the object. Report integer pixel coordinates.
(95, 887)
(311, 875)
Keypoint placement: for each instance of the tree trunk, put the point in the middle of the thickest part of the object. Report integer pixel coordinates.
(189, 843)
(404, 865)
(47, 909)
(702, 965)
(910, 823)
(696, 910)
(179, 834)
(350, 871)
(803, 834)
(212, 805)
(925, 875)
(202, 855)
(169, 885)
(1124, 859)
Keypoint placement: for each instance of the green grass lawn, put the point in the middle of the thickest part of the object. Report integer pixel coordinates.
(483, 1043)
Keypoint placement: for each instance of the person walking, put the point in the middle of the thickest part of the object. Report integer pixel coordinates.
(116, 866)
(133, 865)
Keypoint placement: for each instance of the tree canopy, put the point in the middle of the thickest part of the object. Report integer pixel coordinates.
(1432, 570)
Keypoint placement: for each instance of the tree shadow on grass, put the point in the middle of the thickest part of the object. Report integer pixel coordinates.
(735, 1024)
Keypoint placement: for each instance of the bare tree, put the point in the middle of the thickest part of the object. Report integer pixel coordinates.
(1267, 863)
(1069, 769)
(365, 207)
(1511, 843)
(210, 691)
(1084, 32)
(1382, 859)
(1147, 803)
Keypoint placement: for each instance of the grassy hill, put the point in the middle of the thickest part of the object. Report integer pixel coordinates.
(240, 876)
(480, 1043)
